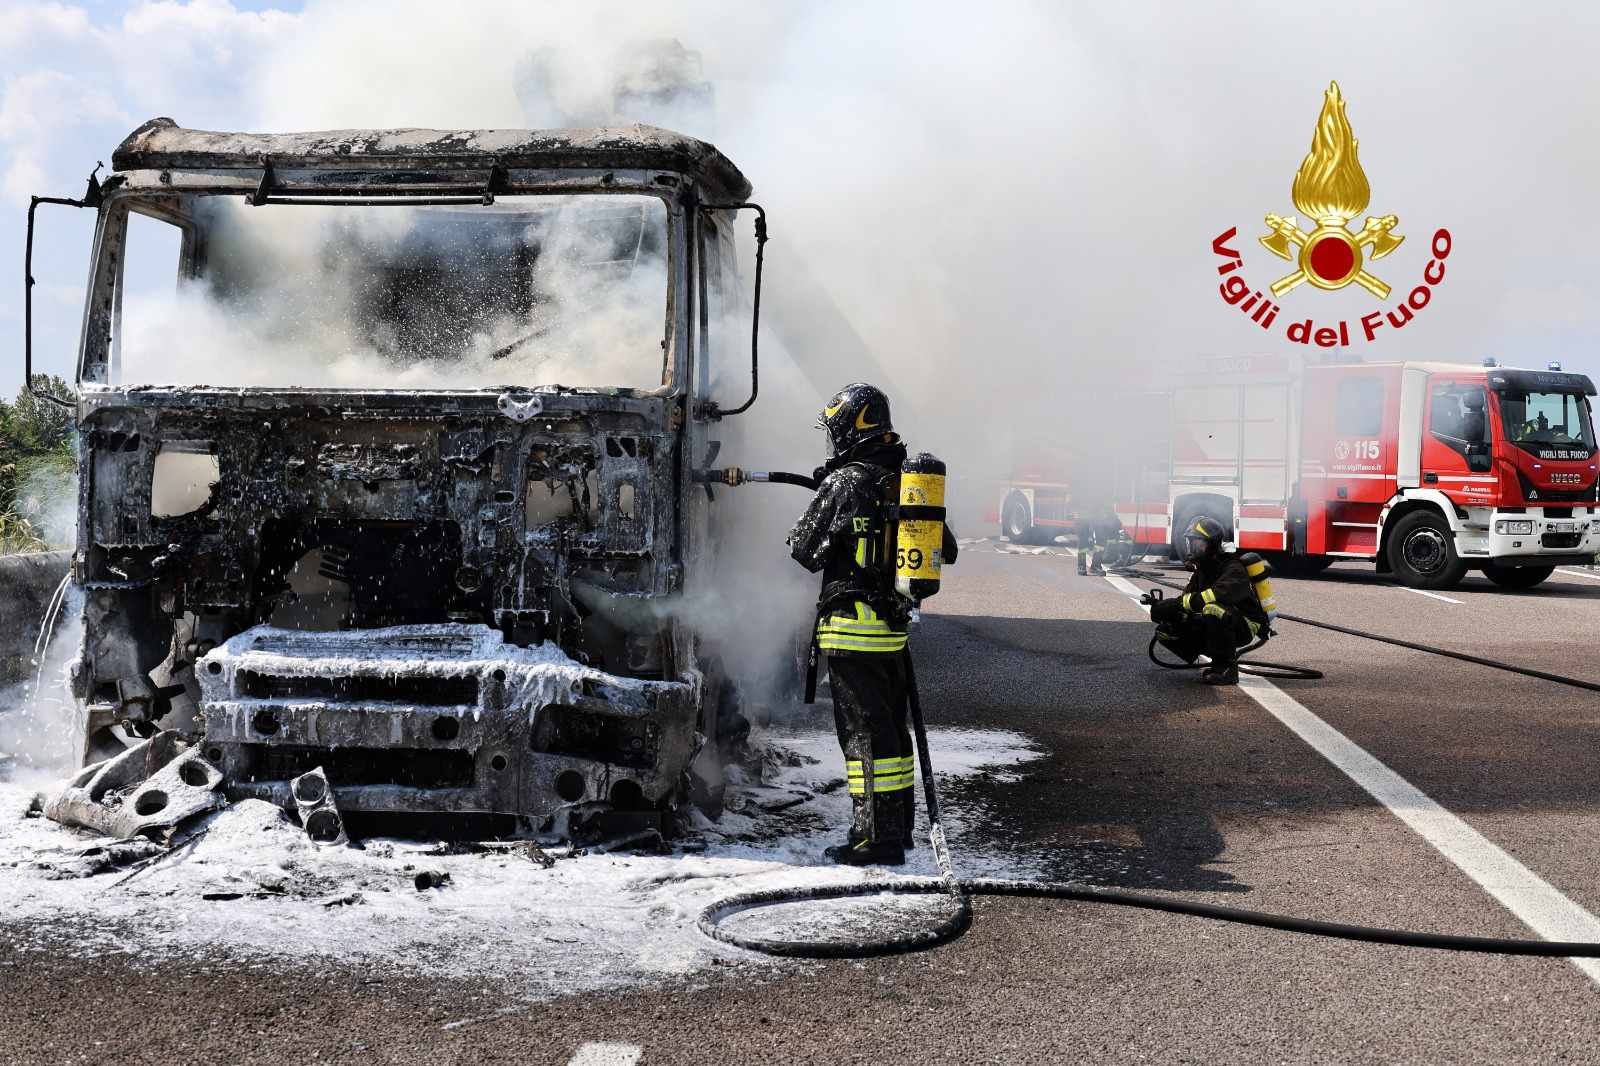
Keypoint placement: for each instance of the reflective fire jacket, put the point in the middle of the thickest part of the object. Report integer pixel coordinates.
(844, 533)
(1219, 584)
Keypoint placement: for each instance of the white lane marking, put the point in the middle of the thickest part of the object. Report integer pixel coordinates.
(1425, 592)
(1579, 573)
(1536, 903)
(596, 1054)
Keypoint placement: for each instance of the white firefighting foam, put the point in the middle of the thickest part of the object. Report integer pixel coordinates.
(253, 885)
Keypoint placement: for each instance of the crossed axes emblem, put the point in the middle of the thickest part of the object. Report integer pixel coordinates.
(1287, 232)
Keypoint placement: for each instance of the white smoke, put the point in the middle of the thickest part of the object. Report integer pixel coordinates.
(39, 722)
(547, 290)
(48, 498)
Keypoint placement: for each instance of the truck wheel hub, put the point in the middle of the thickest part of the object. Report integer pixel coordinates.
(1425, 551)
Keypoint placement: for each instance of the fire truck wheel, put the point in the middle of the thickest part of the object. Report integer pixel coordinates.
(1422, 552)
(1517, 577)
(1016, 519)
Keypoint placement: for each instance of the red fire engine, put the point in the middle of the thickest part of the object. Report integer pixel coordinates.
(1428, 469)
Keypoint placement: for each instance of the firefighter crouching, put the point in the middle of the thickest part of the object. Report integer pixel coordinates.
(1219, 611)
(862, 622)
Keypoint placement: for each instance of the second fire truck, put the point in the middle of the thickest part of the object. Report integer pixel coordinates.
(1427, 469)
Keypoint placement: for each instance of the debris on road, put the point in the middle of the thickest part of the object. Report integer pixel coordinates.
(427, 879)
(148, 790)
(247, 879)
(319, 814)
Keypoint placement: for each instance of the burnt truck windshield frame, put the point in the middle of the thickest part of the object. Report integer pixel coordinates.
(98, 364)
(257, 560)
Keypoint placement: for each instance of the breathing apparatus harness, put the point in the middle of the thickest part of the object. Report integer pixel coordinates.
(958, 892)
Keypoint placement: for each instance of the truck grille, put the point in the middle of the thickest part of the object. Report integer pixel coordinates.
(345, 767)
(419, 690)
(1561, 540)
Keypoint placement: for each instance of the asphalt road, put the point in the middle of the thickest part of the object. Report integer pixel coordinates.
(1152, 782)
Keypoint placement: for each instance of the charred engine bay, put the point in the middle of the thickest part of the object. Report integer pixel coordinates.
(445, 600)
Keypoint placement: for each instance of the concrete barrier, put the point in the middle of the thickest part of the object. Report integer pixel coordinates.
(26, 584)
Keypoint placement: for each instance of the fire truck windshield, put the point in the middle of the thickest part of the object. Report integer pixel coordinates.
(1547, 418)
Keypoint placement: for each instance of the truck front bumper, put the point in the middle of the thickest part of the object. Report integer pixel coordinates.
(439, 719)
(1530, 538)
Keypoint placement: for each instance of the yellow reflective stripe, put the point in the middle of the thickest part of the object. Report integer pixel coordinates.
(888, 775)
(861, 551)
(861, 638)
(856, 779)
(1187, 606)
(856, 644)
(1214, 611)
(860, 634)
(891, 784)
(1209, 595)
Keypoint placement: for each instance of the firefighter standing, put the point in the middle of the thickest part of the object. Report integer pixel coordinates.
(1106, 539)
(1218, 612)
(862, 623)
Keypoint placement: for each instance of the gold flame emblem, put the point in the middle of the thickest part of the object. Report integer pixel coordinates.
(1330, 188)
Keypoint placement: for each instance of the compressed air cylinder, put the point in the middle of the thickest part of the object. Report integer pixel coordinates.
(919, 533)
(1261, 578)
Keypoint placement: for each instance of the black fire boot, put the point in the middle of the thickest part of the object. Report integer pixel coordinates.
(1225, 674)
(867, 853)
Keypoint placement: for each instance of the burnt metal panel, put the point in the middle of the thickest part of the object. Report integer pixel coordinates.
(161, 144)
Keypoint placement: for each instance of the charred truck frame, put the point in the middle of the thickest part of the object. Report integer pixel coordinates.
(508, 555)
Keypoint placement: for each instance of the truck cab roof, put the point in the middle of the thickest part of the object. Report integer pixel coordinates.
(162, 145)
(1497, 377)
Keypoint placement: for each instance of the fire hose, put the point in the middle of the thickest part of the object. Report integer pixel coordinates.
(958, 892)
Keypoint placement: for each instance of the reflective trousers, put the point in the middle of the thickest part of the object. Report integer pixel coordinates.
(870, 715)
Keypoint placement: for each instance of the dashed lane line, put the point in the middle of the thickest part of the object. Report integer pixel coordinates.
(1536, 903)
(597, 1054)
(1579, 573)
(1430, 595)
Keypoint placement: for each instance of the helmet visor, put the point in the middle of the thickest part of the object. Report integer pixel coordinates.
(1195, 547)
(827, 439)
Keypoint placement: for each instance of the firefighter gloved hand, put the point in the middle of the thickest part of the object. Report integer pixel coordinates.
(1165, 611)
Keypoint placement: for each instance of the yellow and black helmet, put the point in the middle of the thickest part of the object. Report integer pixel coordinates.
(1203, 539)
(857, 413)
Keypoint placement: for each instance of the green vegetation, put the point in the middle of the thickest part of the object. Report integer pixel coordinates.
(38, 467)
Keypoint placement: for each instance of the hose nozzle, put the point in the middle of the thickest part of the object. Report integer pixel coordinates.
(725, 475)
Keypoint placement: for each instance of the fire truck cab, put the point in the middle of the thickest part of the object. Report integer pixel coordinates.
(1428, 469)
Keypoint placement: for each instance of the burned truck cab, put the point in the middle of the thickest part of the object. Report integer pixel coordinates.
(388, 444)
